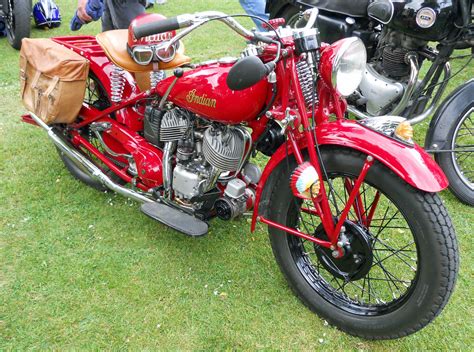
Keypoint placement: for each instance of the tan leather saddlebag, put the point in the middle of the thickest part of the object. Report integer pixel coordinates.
(53, 80)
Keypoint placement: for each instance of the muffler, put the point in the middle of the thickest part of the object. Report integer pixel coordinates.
(95, 172)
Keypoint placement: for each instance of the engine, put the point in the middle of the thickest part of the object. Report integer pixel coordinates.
(386, 76)
(198, 154)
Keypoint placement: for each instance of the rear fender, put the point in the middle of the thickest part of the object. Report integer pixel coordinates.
(412, 164)
(443, 119)
(102, 68)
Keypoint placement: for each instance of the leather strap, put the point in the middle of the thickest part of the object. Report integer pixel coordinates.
(35, 80)
(51, 87)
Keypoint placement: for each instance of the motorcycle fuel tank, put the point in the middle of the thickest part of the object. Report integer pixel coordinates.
(204, 91)
(430, 20)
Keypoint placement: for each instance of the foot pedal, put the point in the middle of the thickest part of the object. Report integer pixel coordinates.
(175, 219)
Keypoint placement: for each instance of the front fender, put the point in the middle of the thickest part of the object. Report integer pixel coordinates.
(449, 110)
(412, 164)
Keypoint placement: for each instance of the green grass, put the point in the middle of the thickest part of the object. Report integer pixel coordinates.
(83, 269)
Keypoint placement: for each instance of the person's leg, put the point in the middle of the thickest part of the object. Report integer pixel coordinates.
(255, 8)
(122, 12)
(107, 24)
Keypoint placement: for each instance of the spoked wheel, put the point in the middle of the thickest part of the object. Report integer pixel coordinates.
(18, 14)
(400, 252)
(95, 96)
(459, 165)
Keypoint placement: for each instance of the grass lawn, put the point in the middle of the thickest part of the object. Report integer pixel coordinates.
(83, 269)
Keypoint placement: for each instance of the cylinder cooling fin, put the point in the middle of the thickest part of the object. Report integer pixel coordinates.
(173, 126)
(223, 148)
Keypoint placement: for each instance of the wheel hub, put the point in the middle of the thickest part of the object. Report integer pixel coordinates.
(357, 257)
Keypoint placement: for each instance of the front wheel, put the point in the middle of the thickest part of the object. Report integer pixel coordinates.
(400, 262)
(459, 165)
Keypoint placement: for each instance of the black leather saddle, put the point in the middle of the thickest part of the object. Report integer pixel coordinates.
(353, 8)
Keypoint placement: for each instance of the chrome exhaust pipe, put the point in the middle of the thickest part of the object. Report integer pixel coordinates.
(410, 88)
(81, 160)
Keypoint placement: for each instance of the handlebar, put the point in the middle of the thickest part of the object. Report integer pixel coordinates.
(165, 25)
(151, 28)
(187, 20)
(197, 19)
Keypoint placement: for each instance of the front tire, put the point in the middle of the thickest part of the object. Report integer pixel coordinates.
(414, 258)
(459, 166)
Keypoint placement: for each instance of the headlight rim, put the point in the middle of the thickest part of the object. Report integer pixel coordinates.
(347, 42)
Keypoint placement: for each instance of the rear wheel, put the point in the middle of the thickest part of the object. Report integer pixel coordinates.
(18, 18)
(399, 269)
(459, 165)
(95, 96)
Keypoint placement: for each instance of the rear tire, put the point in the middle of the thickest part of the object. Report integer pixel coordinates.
(96, 96)
(18, 21)
(459, 166)
(424, 231)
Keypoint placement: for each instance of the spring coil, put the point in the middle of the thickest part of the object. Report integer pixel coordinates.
(155, 77)
(305, 77)
(117, 84)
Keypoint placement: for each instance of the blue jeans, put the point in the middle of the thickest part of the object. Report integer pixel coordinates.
(255, 8)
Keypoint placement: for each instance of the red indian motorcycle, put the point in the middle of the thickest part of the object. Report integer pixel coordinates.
(353, 218)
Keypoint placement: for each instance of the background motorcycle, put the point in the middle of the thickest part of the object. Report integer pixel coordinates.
(17, 14)
(397, 35)
(353, 217)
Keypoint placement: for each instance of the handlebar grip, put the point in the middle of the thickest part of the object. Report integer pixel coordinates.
(151, 28)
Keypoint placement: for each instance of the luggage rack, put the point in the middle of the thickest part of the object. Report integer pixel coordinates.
(82, 44)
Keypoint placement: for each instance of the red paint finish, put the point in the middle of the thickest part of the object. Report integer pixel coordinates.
(204, 91)
(26, 118)
(351, 201)
(411, 164)
(78, 140)
(147, 157)
(297, 233)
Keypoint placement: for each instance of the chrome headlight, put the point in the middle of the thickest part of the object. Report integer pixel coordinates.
(348, 65)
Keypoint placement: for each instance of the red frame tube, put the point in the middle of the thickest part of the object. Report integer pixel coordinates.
(297, 233)
(354, 193)
(81, 141)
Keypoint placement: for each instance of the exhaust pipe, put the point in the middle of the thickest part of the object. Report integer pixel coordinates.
(95, 172)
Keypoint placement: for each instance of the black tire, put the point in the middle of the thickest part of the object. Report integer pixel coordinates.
(292, 16)
(18, 21)
(459, 166)
(96, 96)
(403, 311)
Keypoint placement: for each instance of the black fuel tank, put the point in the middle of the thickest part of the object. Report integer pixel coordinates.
(430, 20)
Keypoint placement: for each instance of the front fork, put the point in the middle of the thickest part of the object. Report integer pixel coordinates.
(321, 202)
(322, 207)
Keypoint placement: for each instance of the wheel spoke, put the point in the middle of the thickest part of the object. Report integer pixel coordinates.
(388, 278)
(396, 253)
(386, 224)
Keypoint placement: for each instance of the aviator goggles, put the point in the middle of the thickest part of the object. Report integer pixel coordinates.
(144, 54)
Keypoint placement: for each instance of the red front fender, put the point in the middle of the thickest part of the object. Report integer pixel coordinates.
(412, 164)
